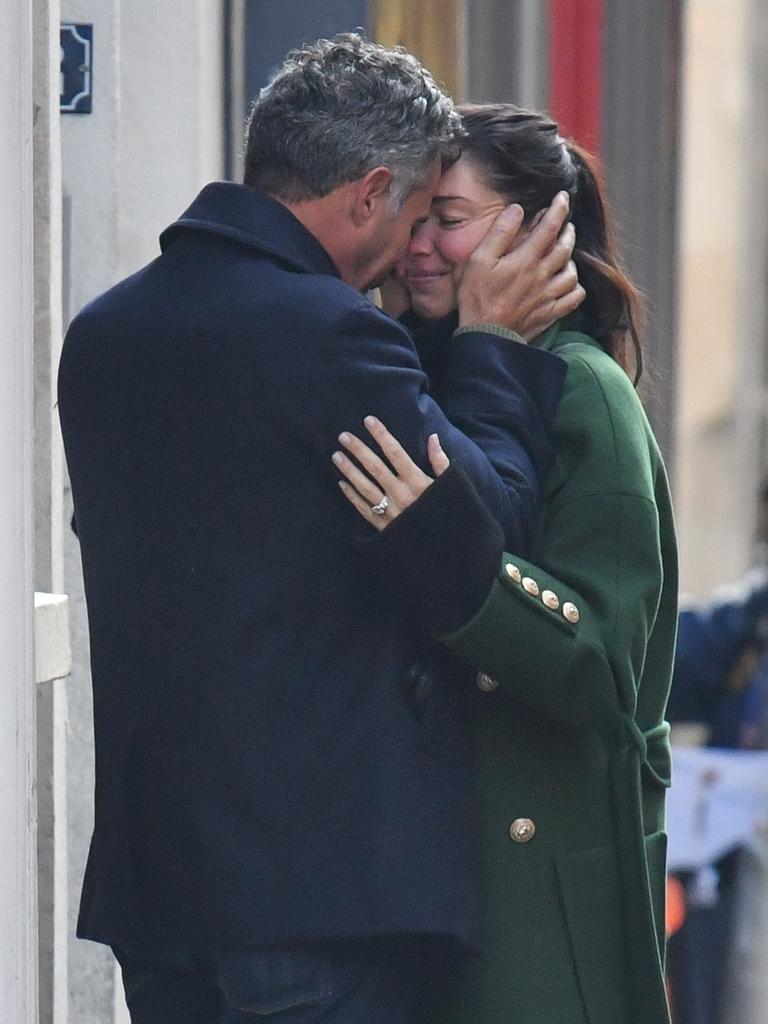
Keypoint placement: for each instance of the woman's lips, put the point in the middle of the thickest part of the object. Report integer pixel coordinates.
(425, 277)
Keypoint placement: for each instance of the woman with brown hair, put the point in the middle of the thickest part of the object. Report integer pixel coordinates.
(572, 642)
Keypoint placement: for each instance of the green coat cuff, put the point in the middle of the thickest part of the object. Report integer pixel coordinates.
(534, 637)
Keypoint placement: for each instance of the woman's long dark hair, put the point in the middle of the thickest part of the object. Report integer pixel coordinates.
(521, 155)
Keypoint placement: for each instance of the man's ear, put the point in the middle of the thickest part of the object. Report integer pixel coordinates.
(369, 193)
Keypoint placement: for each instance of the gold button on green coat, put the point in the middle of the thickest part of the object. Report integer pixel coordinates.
(522, 830)
(574, 918)
(570, 611)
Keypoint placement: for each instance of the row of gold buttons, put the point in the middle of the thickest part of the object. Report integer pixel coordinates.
(548, 597)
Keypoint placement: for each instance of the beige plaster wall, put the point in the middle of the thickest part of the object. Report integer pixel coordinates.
(721, 298)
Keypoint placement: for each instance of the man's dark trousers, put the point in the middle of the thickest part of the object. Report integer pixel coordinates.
(373, 982)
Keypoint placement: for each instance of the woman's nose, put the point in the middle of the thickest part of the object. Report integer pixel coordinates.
(421, 240)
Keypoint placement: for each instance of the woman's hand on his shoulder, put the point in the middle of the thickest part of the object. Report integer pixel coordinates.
(385, 489)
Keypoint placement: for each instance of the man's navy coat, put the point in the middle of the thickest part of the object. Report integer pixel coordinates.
(277, 758)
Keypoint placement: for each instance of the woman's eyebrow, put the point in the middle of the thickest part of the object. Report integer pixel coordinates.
(448, 199)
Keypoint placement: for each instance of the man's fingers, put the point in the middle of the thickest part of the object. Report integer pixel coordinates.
(568, 303)
(546, 232)
(500, 236)
(564, 282)
(560, 253)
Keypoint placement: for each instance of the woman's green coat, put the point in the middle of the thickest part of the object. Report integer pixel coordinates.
(568, 728)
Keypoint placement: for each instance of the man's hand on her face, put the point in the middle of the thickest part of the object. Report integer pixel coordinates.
(522, 282)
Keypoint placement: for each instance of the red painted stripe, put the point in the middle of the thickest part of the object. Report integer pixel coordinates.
(576, 68)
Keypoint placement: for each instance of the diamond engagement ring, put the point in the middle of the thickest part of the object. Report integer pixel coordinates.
(381, 508)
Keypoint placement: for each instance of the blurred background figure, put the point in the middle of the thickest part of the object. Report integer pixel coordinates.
(719, 699)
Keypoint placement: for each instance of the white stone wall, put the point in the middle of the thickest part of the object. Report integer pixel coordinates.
(170, 140)
(18, 888)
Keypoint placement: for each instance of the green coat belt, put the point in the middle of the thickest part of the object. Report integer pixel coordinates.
(574, 648)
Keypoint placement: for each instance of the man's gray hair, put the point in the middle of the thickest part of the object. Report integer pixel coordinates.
(339, 108)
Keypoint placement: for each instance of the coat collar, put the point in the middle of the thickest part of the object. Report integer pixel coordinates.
(563, 333)
(255, 220)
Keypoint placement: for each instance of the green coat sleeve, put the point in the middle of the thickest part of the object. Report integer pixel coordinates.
(566, 632)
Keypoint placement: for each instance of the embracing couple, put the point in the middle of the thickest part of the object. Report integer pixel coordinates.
(381, 603)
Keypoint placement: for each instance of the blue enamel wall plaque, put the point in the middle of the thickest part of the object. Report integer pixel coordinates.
(76, 68)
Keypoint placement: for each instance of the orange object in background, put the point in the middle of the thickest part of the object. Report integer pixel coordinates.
(675, 914)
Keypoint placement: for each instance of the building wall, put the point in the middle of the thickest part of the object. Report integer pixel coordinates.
(170, 141)
(18, 939)
(273, 29)
(513, 39)
(154, 138)
(723, 272)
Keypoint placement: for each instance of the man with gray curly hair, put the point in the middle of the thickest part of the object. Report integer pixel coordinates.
(303, 143)
(351, 123)
(282, 812)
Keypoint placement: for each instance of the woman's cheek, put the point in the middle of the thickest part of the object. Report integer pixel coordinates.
(457, 246)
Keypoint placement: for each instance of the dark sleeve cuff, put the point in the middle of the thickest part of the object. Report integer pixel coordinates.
(438, 559)
(538, 374)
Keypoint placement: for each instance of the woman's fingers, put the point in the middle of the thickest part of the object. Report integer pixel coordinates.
(378, 507)
(398, 457)
(362, 506)
(371, 463)
(438, 460)
(378, 493)
(364, 486)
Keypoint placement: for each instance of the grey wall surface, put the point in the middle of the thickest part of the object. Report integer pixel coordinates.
(507, 58)
(641, 90)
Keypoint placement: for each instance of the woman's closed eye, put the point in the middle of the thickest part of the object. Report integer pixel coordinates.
(445, 221)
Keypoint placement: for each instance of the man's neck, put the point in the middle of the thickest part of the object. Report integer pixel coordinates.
(327, 219)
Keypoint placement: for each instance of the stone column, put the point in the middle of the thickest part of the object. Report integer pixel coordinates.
(18, 902)
(48, 494)
(52, 666)
(51, 627)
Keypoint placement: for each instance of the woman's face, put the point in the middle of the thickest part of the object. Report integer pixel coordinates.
(462, 211)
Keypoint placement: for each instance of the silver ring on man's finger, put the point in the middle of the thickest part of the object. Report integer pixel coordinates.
(381, 508)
